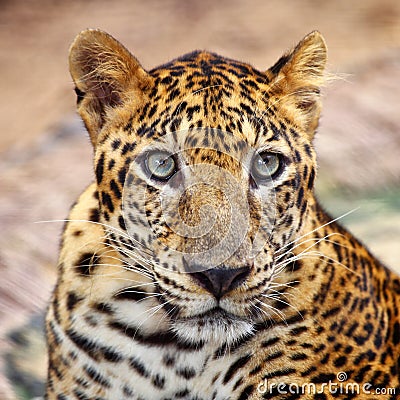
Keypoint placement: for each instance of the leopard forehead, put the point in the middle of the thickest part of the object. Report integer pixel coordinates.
(203, 90)
(207, 102)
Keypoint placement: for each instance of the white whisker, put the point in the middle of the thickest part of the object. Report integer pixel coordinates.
(318, 228)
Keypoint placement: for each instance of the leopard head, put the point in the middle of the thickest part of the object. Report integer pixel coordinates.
(205, 171)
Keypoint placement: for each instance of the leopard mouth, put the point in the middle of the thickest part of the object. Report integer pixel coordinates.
(215, 325)
(216, 313)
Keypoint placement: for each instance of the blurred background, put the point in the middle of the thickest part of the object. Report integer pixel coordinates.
(45, 155)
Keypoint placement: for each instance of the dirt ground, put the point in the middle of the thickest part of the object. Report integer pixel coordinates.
(45, 156)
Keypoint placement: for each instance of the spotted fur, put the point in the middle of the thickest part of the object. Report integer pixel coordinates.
(129, 319)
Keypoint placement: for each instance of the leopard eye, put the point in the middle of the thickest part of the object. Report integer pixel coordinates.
(161, 165)
(266, 166)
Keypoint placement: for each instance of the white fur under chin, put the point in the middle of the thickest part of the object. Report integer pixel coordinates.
(214, 330)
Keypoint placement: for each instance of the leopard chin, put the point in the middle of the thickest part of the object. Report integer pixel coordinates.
(216, 327)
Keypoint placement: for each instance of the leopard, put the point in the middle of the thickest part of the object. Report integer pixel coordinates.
(199, 263)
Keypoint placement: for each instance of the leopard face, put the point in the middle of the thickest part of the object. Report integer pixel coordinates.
(204, 171)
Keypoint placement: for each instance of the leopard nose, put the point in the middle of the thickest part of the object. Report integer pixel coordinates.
(219, 281)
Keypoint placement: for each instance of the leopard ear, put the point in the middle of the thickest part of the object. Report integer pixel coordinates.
(297, 78)
(103, 71)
